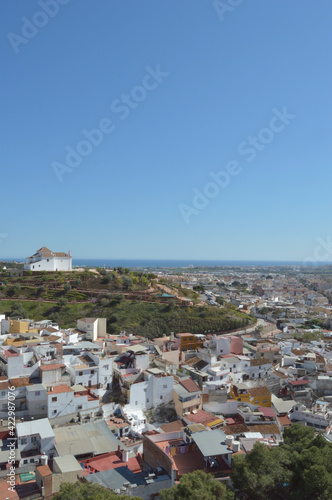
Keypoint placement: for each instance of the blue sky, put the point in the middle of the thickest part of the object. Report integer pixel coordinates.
(194, 84)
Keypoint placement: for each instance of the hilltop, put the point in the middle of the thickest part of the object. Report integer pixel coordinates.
(134, 301)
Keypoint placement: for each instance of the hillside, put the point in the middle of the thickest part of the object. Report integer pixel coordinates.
(134, 302)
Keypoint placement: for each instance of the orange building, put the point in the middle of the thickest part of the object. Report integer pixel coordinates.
(258, 396)
(189, 341)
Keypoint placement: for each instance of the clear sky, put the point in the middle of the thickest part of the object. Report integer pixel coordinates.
(177, 90)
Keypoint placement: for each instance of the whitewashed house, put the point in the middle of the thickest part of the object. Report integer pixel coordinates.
(319, 416)
(46, 260)
(92, 327)
(36, 400)
(64, 401)
(90, 370)
(34, 439)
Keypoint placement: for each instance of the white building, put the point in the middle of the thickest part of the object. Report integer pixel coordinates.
(34, 439)
(63, 401)
(46, 260)
(319, 417)
(90, 370)
(92, 327)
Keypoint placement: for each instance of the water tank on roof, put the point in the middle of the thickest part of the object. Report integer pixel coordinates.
(43, 459)
(236, 446)
(229, 440)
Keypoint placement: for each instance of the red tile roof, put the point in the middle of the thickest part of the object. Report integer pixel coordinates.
(285, 421)
(109, 461)
(267, 412)
(45, 368)
(175, 426)
(190, 385)
(201, 417)
(60, 388)
(299, 382)
(44, 470)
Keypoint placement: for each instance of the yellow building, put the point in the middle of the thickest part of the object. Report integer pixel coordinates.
(18, 326)
(258, 396)
(188, 341)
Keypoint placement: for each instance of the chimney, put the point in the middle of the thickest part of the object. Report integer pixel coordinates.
(119, 448)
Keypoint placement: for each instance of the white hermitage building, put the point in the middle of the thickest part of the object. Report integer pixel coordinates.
(46, 260)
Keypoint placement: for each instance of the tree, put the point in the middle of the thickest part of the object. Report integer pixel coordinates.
(67, 287)
(197, 486)
(299, 469)
(41, 289)
(62, 302)
(127, 282)
(262, 474)
(88, 491)
(108, 277)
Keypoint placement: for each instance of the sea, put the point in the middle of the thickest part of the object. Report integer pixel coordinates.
(168, 263)
(150, 263)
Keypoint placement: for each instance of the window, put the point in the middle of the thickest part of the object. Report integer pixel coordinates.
(4, 406)
(264, 400)
(165, 386)
(3, 393)
(256, 402)
(24, 440)
(136, 403)
(37, 393)
(54, 400)
(80, 374)
(161, 397)
(33, 439)
(92, 372)
(106, 367)
(25, 461)
(147, 400)
(79, 407)
(54, 412)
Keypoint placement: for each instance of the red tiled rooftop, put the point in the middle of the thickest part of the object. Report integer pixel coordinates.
(299, 382)
(201, 417)
(59, 389)
(285, 421)
(20, 381)
(45, 368)
(109, 461)
(190, 385)
(10, 354)
(175, 426)
(267, 412)
(44, 470)
(188, 462)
